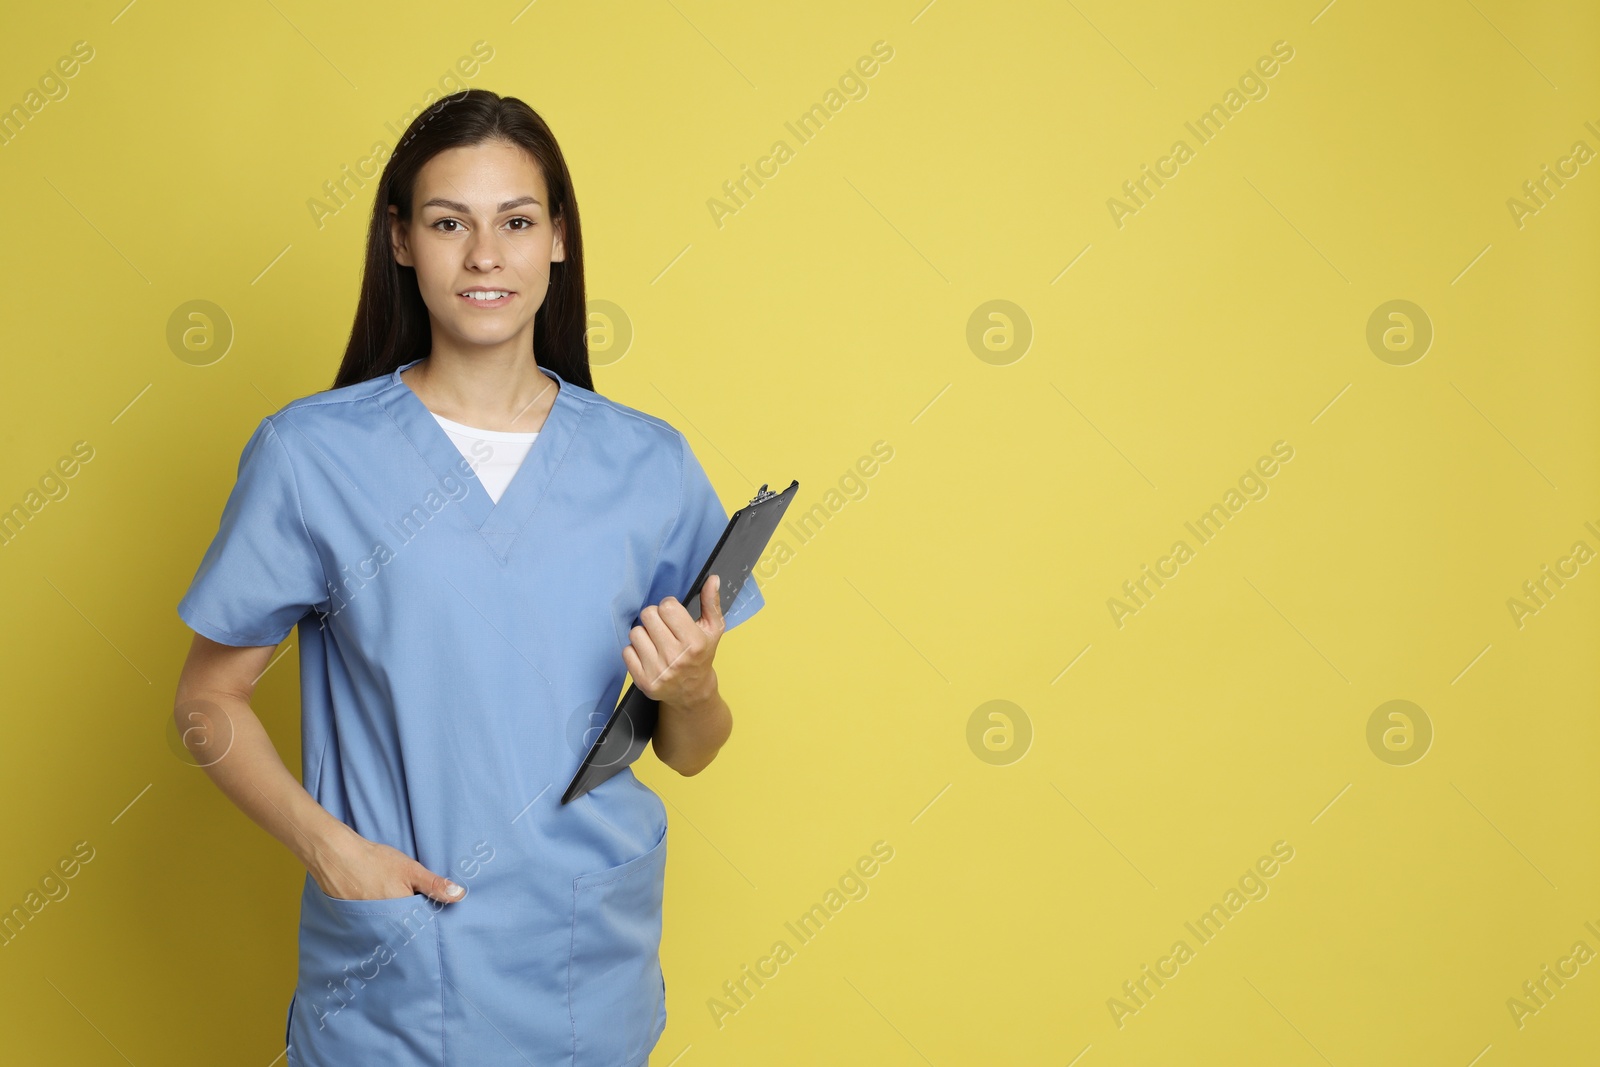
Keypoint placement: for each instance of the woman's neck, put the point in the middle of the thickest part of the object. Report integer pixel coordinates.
(484, 391)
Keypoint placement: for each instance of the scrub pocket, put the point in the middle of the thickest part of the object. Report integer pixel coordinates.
(367, 969)
(614, 981)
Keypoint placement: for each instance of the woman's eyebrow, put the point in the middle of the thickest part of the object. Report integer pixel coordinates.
(456, 205)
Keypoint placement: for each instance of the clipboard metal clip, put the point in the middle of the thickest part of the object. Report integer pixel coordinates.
(762, 494)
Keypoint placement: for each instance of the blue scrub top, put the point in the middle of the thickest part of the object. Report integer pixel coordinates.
(456, 657)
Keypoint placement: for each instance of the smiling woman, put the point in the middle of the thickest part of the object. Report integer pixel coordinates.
(435, 703)
(543, 247)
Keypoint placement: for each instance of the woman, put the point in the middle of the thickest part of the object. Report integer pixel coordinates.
(463, 627)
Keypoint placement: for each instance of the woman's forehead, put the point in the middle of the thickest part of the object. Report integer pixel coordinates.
(485, 177)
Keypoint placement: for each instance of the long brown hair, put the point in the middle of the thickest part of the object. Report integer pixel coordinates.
(391, 326)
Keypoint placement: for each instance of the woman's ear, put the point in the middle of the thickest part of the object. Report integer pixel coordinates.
(558, 247)
(397, 238)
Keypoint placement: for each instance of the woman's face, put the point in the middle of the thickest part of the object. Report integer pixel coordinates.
(480, 221)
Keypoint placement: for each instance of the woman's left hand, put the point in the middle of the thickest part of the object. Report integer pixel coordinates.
(669, 654)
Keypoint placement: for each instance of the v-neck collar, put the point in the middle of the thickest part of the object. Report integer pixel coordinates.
(498, 523)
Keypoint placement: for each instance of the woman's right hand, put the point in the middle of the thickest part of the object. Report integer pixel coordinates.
(214, 720)
(359, 869)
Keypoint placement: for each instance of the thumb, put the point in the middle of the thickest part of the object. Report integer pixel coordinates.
(436, 886)
(711, 602)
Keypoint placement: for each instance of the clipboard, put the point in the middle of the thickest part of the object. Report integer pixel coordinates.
(633, 721)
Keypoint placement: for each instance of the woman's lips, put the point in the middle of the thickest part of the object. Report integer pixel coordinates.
(480, 303)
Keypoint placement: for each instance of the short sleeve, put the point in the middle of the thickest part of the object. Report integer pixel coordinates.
(261, 573)
(700, 522)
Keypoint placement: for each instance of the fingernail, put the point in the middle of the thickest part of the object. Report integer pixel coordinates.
(454, 890)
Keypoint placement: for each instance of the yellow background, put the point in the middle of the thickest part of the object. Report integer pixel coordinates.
(830, 312)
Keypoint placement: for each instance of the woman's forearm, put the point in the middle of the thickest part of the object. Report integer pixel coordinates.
(228, 741)
(688, 736)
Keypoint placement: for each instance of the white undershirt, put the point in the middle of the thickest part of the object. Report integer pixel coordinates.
(494, 455)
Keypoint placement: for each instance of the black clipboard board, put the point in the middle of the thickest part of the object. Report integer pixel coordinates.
(633, 721)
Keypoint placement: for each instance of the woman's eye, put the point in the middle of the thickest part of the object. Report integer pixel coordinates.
(457, 222)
